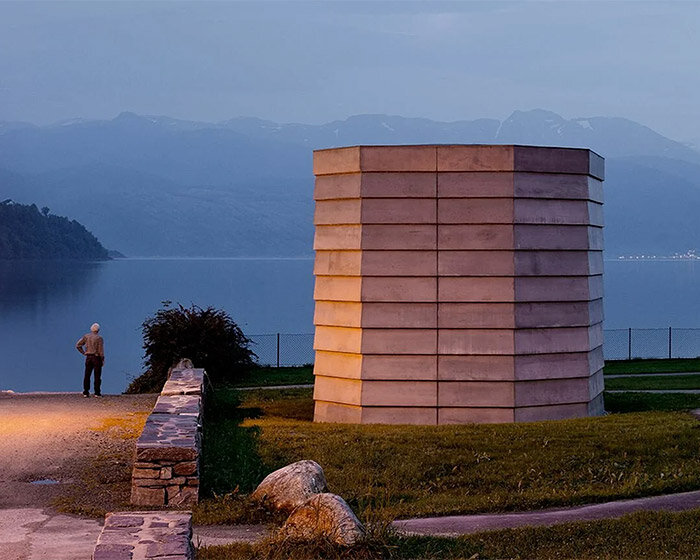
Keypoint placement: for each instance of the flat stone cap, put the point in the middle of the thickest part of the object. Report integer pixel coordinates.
(459, 158)
(142, 535)
(184, 382)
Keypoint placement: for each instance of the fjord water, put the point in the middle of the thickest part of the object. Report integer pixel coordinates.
(46, 306)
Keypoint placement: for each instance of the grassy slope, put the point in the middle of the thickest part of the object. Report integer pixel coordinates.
(270, 376)
(613, 367)
(425, 470)
(662, 382)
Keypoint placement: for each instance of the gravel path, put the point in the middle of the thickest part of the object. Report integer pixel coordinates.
(49, 437)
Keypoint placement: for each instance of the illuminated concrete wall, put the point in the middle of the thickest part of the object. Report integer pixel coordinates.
(458, 284)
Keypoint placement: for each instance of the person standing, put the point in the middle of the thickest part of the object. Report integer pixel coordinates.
(91, 345)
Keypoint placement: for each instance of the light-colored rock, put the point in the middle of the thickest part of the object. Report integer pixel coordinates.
(291, 486)
(324, 515)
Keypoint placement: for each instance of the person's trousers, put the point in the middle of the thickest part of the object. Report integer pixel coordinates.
(92, 362)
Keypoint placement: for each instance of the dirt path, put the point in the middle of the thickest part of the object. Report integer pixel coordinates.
(81, 449)
(51, 436)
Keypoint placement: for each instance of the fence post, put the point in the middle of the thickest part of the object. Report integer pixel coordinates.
(629, 343)
(278, 349)
(670, 341)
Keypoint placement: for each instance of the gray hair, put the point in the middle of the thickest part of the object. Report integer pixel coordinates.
(95, 327)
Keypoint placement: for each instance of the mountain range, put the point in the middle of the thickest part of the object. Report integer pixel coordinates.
(158, 186)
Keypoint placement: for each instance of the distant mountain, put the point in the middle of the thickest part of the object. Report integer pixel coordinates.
(153, 185)
(27, 233)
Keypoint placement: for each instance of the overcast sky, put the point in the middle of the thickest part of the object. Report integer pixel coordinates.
(315, 62)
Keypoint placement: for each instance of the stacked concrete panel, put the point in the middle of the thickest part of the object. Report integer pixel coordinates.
(457, 284)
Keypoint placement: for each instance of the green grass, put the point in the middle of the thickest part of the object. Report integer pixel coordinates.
(404, 471)
(641, 535)
(637, 402)
(676, 365)
(654, 382)
(270, 376)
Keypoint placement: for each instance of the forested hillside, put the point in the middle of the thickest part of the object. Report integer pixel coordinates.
(27, 233)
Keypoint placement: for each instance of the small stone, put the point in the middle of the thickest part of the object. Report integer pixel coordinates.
(324, 515)
(290, 486)
(142, 496)
(166, 473)
(184, 469)
(146, 473)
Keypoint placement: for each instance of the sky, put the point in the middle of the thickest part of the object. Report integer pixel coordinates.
(315, 62)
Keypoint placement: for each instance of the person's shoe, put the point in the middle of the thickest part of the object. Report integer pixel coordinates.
(86, 395)
(98, 394)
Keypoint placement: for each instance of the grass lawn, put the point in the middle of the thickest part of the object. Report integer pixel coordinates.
(270, 376)
(676, 365)
(649, 382)
(640, 535)
(636, 402)
(405, 471)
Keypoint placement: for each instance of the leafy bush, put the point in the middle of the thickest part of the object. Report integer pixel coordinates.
(208, 337)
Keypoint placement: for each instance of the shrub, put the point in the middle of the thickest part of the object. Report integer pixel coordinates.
(208, 337)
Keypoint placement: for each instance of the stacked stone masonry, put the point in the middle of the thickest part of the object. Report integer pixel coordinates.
(166, 471)
(145, 535)
(458, 284)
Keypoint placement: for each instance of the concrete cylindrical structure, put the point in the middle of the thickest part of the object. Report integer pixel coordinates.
(458, 284)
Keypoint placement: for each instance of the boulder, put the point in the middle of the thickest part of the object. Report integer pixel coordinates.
(324, 515)
(290, 486)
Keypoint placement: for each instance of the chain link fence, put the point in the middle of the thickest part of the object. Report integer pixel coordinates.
(627, 344)
(284, 350)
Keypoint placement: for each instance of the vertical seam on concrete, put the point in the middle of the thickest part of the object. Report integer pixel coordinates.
(437, 293)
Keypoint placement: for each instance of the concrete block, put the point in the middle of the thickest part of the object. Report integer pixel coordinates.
(475, 158)
(338, 339)
(337, 160)
(338, 212)
(338, 263)
(595, 190)
(482, 184)
(466, 289)
(558, 263)
(558, 314)
(551, 392)
(400, 315)
(399, 415)
(338, 237)
(338, 364)
(476, 368)
(398, 211)
(475, 211)
(398, 367)
(476, 315)
(476, 393)
(400, 288)
(399, 263)
(338, 390)
(463, 415)
(398, 158)
(330, 187)
(552, 340)
(399, 185)
(551, 185)
(338, 314)
(399, 393)
(399, 237)
(399, 341)
(476, 237)
(596, 384)
(337, 413)
(552, 412)
(338, 288)
(557, 288)
(538, 159)
(596, 407)
(556, 211)
(557, 237)
(476, 263)
(476, 341)
(559, 365)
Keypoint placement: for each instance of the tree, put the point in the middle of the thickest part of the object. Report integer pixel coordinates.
(208, 337)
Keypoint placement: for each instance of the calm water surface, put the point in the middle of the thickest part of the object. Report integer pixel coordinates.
(46, 307)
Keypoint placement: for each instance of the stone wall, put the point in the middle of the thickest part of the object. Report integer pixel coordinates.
(458, 284)
(146, 535)
(166, 470)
